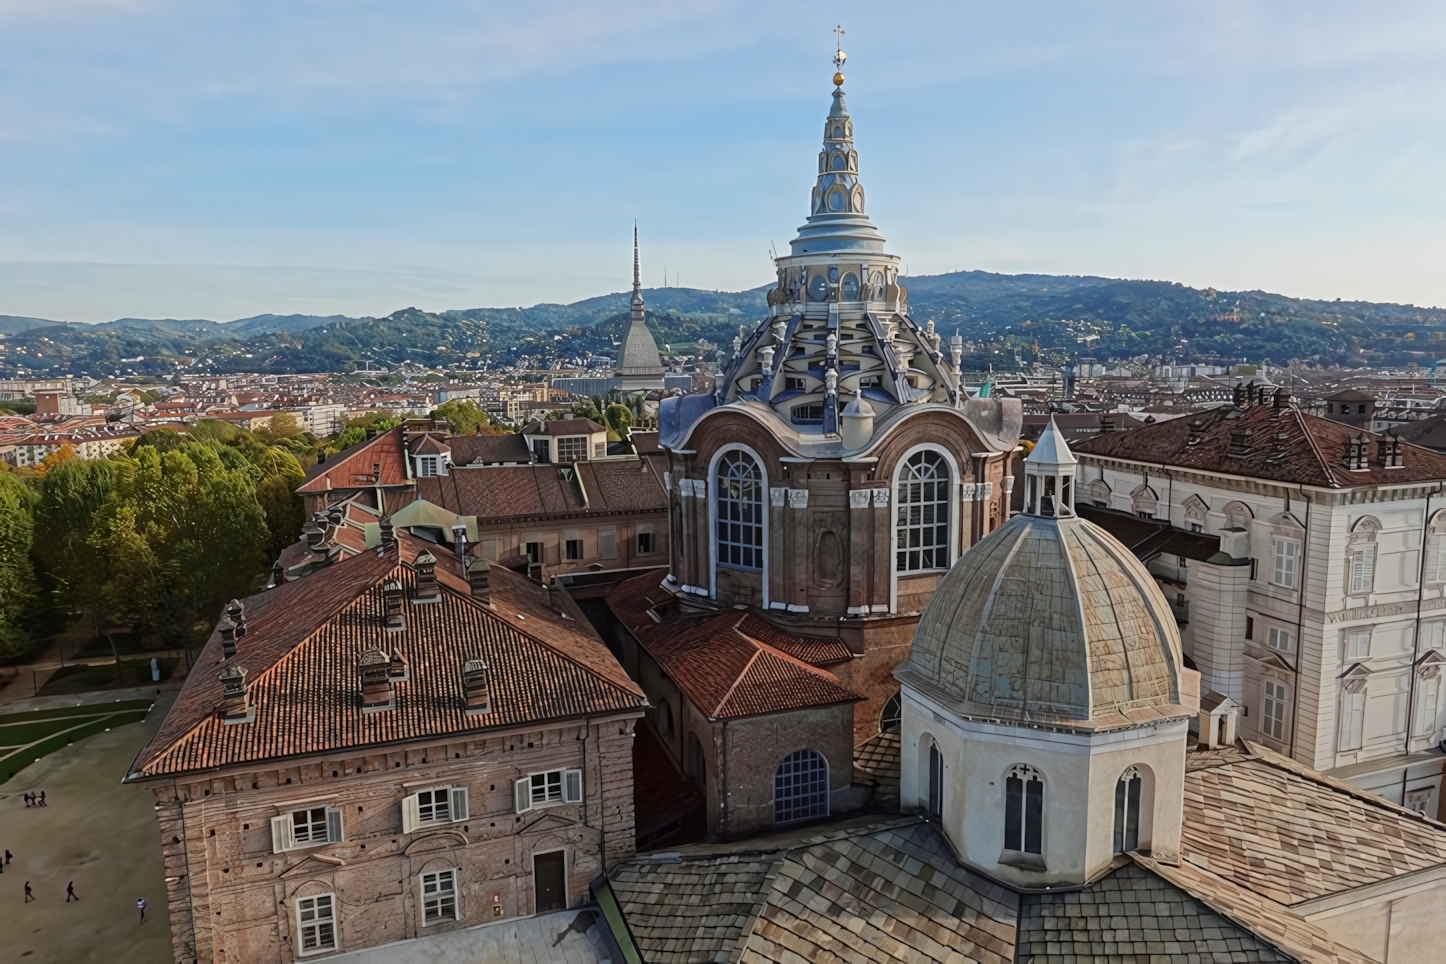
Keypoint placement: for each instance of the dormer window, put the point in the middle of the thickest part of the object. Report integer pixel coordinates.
(572, 448)
(428, 465)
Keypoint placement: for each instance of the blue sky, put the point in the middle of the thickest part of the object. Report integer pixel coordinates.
(187, 158)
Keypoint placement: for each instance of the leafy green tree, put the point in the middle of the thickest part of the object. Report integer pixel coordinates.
(465, 417)
(17, 577)
(619, 420)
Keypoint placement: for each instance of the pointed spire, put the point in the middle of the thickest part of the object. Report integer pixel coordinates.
(836, 219)
(637, 304)
(639, 366)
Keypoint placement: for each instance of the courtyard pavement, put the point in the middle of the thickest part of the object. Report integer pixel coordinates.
(92, 831)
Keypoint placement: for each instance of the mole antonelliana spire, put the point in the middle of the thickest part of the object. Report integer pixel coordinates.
(639, 368)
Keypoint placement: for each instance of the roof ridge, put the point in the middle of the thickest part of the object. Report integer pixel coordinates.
(1315, 449)
(786, 657)
(737, 681)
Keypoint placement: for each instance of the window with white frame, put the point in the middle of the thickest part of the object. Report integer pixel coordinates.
(1353, 715)
(316, 923)
(1127, 810)
(1280, 640)
(433, 806)
(572, 448)
(1024, 810)
(310, 827)
(922, 521)
(426, 465)
(439, 896)
(1362, 570)
(739, 502)
(1287, 561)
(548, 788)
(800, 787)
(1358, 644)
(1428, 698)
(1273, 709)
(1436, 549)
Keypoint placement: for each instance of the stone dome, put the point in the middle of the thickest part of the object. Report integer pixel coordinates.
(1049, 620)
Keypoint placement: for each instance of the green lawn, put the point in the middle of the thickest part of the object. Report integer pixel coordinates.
(81, 678)
(26, 737)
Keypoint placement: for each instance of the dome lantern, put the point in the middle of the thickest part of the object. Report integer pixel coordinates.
(1049, 474)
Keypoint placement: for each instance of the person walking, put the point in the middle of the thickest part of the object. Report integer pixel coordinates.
(9, 856)
(42, 798)
(70, 892)
(141, 903)
(27, 798)
(28, 895)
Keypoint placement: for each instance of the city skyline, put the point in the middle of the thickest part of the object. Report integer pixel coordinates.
(215, 162)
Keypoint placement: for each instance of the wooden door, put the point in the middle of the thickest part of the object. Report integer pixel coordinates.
(549, 873)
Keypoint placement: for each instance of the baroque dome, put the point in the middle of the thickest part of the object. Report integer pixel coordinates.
(1049, 620)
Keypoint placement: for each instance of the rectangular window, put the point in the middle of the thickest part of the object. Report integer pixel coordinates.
(1196, 527)
(599, 450)
(1353, 719)
(426, 466)
(541, 450)
(534, 552)
(439, 896)
(311, 827)
(316, 923)
(573, 548)
(1358, 644)
(793, 384)
(433, 806)
(548, 788)
(1435, 559)
(607, 542)
(1362, 570)
(645, 539)
(1249, 627)
(1287, 557)
(1428, 694)
(572, 448)
(1280, 640)
(1273, 710)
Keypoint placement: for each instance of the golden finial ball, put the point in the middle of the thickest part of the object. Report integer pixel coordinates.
(838, 79)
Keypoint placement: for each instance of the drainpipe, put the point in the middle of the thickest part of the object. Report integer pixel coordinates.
(1299, 620)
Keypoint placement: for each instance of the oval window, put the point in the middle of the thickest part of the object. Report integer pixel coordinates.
(850, 287)
(818, 287)
(835, 201)
(838, 162)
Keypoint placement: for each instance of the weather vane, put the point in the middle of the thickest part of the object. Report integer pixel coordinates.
(839, 56)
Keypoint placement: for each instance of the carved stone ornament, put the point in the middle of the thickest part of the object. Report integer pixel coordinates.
(881, 497)
(798, 498)
(776, 496)
(859, 498)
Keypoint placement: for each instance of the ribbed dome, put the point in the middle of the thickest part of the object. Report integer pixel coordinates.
(1048, 620)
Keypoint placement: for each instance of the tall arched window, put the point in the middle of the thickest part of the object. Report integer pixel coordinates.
(936, 782)
(800, 787)
(739, 488)
(892, 715)
(1436, 549)
(1127, 810)
(922, 526)
(1024, 810)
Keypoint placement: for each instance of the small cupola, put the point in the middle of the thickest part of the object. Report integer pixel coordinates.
(425, 568)
(1219, 716)
(476, 687)
(374, 667)
(1049, 474)
(234, 706)
(430, 457)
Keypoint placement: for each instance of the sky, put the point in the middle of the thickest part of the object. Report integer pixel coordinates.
(209, 159)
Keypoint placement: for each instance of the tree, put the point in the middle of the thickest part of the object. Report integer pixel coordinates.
(282, 425)
(17, 577)
(619, 419)
(465, 417)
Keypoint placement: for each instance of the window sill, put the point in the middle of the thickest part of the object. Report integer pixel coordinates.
(1022, 860)
(441, 920)
(733, 568)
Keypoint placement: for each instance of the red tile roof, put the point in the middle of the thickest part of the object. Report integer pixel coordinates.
(718, 664)
(1286, 445)
(510, 491)
(301, 648)
(353, 468)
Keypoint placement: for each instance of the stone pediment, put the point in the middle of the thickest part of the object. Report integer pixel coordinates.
(314, 863)
(549, 821)
(436, 840)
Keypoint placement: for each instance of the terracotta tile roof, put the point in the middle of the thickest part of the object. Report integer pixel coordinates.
(353, 467)
(1286, 445)
(819, 652)
(467, 449)
(721, 669)
(1289, 834)
(301, 648)
(429, 444)
(532, 490)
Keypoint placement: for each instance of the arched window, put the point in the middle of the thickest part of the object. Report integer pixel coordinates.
(739, 488)
(936, 781)
(922, 529)
(665, 718)
(1361, 557)
(1195, 512)
(697, 762)
(1436, 549)
(836, 201)
(1144, 502)
(1024, 810)
(800, 787)
(1127, 810)
(839, 162)
(892, 715)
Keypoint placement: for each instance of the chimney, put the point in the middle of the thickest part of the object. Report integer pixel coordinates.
(315, 536)
(396, 622)
(336, 516)
(399, 668)
(459, 540)
(389, 533)
(1282, 399)
(1241, 399)
(479, 578)
(1107, 424)
(376, 682)
(234, 708)
(227, 629)
(237, 612)
(278, 575)
(424, 566)
(474, 684)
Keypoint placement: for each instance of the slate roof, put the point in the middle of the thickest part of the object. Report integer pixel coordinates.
(1286, 445)
(508, 491)
(1427, 432)
(718, 664)
(468, 449)
(562, 426)
(1147, 538)
(1287, 833)
(301, 648)
(353, 467)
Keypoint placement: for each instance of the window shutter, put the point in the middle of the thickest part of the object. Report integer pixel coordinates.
(572, 786)
(1368, 570)
(1352, 719)
(459, 803)
(523, 790)
(411, 814)
(334, 832)
(281, 839)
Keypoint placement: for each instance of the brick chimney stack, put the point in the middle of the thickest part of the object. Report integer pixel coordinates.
(459, 540)
(389, 534)
(425, 567)
(479, 578)
(227, 629)
(278, 575)
(376, 680)
(234, 708)
(1282, 399)
(475, 685)
(395, 618)
(237, 612)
